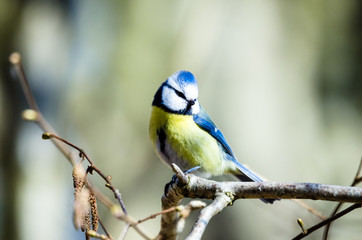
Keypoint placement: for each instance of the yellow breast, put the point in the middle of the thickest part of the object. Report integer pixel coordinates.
(187, 142)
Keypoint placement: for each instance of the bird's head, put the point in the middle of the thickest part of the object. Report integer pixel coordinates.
(178, 94)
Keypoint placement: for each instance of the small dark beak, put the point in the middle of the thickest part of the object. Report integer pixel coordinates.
(190, 103)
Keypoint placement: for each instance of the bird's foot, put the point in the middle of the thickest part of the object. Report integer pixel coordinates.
(174, 177)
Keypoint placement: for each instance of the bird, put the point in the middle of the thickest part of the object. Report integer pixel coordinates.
(183, 133)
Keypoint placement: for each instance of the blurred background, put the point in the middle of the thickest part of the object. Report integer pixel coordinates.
(281, 79)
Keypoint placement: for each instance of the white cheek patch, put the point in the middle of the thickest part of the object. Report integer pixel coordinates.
(191, 92)
(195, 109)
(172, 101)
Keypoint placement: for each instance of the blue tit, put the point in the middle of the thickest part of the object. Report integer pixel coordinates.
(183, 133)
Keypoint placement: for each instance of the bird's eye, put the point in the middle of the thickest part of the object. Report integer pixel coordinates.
(180, 94)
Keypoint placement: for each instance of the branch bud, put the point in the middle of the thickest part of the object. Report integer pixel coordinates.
(46, 136)
(15, 58)
(301, 225)
(29, 115)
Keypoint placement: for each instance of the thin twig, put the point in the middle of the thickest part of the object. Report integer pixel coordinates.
(15, 60)
(323, 223)
(124, 232)
(185, 210)
(356, 180)
(326, 229)
(104, 228)
(309, 209)
(171, 209)
(90, 168)
(116, 211)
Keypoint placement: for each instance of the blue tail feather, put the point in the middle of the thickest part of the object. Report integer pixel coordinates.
(248, 176)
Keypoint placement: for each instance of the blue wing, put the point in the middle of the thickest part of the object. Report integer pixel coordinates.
(203, 120)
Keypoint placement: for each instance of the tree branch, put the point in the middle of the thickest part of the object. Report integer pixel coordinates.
(220, 202)
(191, 186)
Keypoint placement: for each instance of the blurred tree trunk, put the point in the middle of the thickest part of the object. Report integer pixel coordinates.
(10, 120)
(341, 75)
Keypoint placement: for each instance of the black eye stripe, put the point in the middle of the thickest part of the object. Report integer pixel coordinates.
(180, 94)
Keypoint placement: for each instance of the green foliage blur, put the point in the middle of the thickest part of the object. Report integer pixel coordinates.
(281, 79)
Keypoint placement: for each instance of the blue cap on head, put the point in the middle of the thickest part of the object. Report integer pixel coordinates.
(183, 78)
